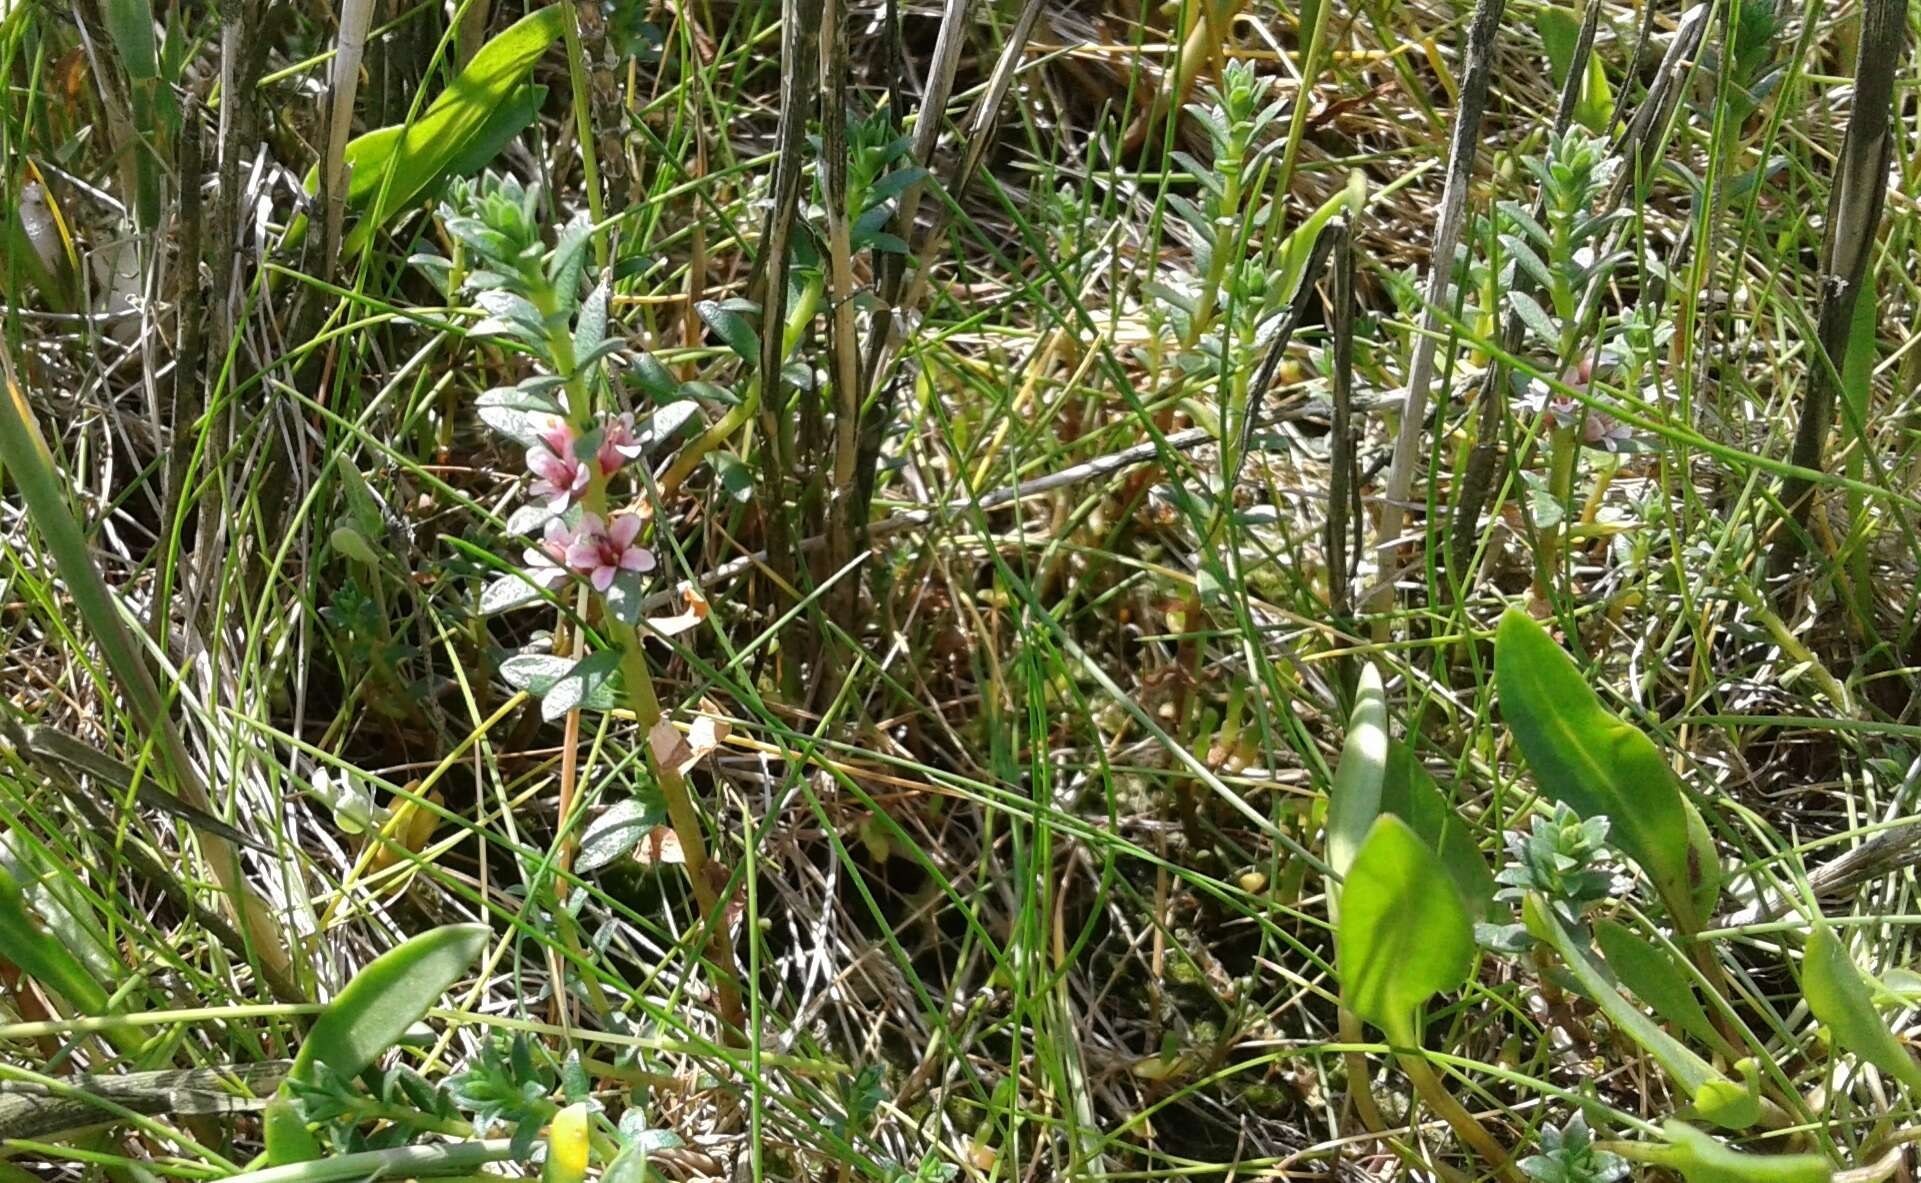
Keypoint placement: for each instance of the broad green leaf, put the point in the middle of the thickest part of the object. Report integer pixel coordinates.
(1857, 382)
(506, 121)
(1651, 973)
(418, 154)
(1560, 30)
(567, 1146)
(1411, 794)
(1291, 259)
(629, 1166)
(386, 998)
(56, 899)
(1857, 364)
(1581, 754)
(1354, 800)
(1404, 935)
(735, 476)
(1701, 1159)
(1718, 1098)
(1897, 987)
(1839, 996)
(1734, 1105)
(352, 543)
(288, 1139)
(1704, 862)
(1595, 108)
(42, 956)
(30, 465)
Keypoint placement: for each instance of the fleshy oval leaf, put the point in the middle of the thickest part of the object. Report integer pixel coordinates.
(1840, 998)
(385, 998)
(1583, 755)
(1404, 934)
(1354, 799)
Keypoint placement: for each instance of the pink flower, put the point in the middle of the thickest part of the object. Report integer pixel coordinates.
(559, 478)
(547, 561)
(1565, 409)
(1603, 430)
(554, 431)
(1539, 399)
(601, 551)
(618, 445)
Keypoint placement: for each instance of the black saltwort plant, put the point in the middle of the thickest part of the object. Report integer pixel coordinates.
(591, 505)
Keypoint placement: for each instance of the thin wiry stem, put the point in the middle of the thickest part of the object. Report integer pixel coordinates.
(1452, 216)
(1854, 216)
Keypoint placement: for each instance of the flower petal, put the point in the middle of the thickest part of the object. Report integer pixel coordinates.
(625, 528)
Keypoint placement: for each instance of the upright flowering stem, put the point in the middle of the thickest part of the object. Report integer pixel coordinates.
(639, 683)
(1563, 450)
(530, 292)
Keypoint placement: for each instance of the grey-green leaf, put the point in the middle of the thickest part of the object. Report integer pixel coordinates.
(731, 327)
(615, 832)
(590, 331)
(1533, 316)
(507, 592)
(589, 681)
(538, 673)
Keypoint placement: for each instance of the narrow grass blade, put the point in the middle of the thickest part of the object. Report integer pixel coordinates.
(29, 462)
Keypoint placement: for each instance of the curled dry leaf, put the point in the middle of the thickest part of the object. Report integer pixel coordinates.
(658, 846)
(670, 748)
(693, 611)
(681, 752)
(709, 730)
